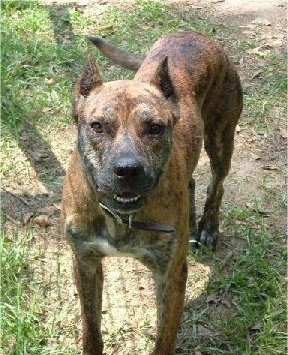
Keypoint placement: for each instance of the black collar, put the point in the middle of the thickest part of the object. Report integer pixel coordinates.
(154, 227)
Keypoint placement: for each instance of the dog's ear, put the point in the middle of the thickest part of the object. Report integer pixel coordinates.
(162, 79)
(89, 80)
(164, 83)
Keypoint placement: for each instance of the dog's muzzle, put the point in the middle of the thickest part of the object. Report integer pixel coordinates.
(131, 181)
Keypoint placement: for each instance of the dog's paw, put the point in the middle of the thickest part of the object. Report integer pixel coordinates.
(194, 245)
(204, 239)
(208, 239)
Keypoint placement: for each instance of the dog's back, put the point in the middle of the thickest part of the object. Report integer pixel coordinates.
(199, 69)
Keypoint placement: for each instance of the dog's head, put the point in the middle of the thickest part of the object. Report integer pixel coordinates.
(125, 131)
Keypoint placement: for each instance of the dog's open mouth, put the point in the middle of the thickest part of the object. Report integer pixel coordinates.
(123, 202)
(126, 198)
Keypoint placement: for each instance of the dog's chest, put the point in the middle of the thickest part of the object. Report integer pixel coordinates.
(120, 241)
(108, 246)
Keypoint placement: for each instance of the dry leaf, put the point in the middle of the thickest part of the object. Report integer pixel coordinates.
(249, 26)
(47, 110)
(255, 327)
(249, 33)
(203, 331)
(283, 133)
(262, 50)
(260, 21)
(255, 156)
(83, 2)
(49, 81)
(257, 74)
(211, 298)
(277, 43)
(266, 46)
(42, 221)
(145, 26)
(264, 213)
(270, 167)
(226, 303)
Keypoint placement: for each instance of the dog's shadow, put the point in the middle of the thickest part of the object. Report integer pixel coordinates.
(200, 321)
(16, 205)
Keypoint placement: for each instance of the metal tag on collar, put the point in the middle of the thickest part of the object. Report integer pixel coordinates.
(130, 221)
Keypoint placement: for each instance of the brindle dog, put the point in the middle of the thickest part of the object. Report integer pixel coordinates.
(129, 188)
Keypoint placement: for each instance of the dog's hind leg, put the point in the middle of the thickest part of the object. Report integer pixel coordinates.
(218, 143)
(192, 213)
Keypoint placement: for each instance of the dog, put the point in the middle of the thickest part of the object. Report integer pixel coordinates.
(129, 189)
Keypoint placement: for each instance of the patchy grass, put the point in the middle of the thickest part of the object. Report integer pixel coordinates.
(36, 71)
(242, 311)
(254, 285)
(26, 296)
(235, 297)
(149, 22)
(22, 329)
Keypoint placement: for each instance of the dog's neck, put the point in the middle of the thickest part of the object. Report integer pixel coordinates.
(127, 221)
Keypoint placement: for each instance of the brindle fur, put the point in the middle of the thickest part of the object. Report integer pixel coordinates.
(186, 84)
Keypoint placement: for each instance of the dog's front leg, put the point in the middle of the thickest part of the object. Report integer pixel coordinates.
(170, 288)
(88, 274)
(89, 282)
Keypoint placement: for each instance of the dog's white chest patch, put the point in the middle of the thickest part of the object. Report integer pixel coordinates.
(107, 249)
(103, 246)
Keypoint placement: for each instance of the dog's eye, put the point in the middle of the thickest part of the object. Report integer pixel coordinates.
(155, 129)
(96, 127)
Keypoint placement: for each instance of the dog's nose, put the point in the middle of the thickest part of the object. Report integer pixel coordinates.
(128, 168)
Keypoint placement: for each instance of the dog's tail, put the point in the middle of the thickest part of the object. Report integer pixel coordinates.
(125, 59)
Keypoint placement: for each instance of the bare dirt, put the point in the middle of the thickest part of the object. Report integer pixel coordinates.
(128, 310)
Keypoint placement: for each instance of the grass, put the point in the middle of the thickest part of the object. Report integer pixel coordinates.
(256, 286)
(246, 298)
(25, 296)
(43, 52)
(22, 329)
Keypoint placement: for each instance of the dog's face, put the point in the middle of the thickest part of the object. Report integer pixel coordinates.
(125, 131)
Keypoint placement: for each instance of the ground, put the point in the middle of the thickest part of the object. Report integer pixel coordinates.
(257, 181)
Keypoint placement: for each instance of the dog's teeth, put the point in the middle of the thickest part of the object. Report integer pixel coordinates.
(126, 200)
